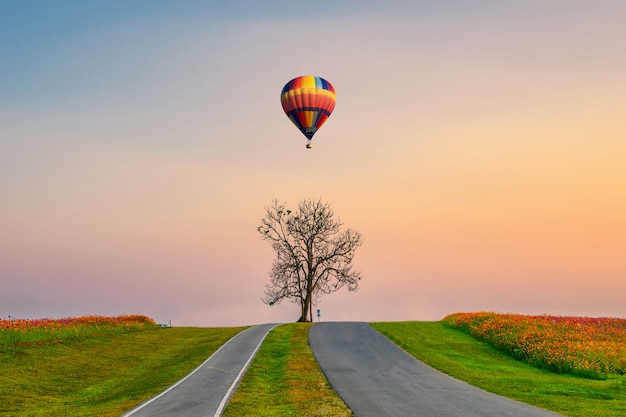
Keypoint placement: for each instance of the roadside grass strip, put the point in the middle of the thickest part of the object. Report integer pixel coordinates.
(102, 374)
(285, 380)
(461, 356)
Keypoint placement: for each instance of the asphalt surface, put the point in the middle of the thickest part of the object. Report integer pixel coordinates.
(205, 391)
(376, 378)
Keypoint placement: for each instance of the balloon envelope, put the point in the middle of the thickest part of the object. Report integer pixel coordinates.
(308, 101)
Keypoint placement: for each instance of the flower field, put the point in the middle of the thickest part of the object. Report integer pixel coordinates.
(24, 333)
(584, 346)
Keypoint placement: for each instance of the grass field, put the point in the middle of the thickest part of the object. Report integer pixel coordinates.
(27, 333)
(460, 355)
(100, 375)
(107, 374)
(593, 347)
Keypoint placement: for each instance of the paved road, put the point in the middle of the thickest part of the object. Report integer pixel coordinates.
(204, 392)
(376, 378)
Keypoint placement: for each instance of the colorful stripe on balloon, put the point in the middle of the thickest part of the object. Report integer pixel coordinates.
(308, 101)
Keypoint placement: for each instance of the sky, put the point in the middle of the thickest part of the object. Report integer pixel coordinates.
(478, 146)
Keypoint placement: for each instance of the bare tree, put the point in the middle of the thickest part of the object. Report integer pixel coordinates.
(313, 254)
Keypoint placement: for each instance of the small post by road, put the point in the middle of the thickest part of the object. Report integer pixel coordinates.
(318, 315)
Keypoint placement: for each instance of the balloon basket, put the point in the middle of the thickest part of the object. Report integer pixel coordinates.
(309, 146)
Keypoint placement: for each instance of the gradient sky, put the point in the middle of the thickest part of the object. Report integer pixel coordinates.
(478, 146)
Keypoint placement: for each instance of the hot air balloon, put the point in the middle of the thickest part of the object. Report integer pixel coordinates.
(308, 101)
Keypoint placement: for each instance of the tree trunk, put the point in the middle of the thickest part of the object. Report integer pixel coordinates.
(305, 305)
(303, 311)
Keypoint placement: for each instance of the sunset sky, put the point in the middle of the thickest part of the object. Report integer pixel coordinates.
(478, 146)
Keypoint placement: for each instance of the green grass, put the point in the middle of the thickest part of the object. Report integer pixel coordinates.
(106, 376)
(101, 376)
(461, 356)
(285, 380)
